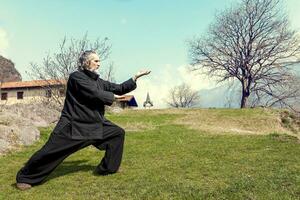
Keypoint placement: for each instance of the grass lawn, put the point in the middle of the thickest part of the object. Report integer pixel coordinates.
(164, 158)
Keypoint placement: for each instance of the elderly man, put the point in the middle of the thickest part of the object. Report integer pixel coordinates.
(82, 123)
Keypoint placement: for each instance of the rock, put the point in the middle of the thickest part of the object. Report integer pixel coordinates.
(8, 71)
(19, 122)
(16, 131)
(27, 134)
(39, 115)
(4, 146)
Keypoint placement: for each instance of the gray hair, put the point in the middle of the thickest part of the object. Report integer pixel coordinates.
(84, 58)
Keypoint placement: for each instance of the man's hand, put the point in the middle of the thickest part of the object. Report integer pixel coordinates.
(118, 97)
(141, 73)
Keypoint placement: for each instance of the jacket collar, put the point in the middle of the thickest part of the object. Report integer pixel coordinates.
(91, 74)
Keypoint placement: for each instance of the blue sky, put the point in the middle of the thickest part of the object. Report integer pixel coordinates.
(144, 34)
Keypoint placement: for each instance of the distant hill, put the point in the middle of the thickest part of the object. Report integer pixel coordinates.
(220, 97)
(225, 97)
(8, 72)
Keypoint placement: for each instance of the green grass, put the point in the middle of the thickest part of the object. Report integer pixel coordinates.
(164, 160)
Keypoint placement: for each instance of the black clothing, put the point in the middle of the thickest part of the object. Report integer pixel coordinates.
(82, 123)
(86, 97)
(59, 146)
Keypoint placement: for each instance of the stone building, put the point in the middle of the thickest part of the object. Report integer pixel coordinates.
(30, 91)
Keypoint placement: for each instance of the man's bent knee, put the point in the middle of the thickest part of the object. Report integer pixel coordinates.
(121, 131)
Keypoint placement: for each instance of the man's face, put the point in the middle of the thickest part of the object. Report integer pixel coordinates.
(94, 62)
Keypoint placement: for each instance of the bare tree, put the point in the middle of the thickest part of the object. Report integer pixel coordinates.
(109, 73)
(286, 94)
(58, 66)
(183, 96)
(252, 43)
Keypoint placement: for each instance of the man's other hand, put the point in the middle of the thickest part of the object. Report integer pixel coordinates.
(119, 97)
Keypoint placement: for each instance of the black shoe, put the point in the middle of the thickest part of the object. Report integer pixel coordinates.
(100, 171)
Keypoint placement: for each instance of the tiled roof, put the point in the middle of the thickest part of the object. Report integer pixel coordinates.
(130, 100)
(29, 84)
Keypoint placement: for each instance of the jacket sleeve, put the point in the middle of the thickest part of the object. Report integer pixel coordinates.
(91, 92)
(120, 89)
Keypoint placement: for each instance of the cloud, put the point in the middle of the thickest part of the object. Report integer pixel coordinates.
(158, 84)
(3, 41)
(197, 80)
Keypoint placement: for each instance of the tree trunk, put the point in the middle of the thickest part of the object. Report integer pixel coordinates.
(244, 100)
(245, 94)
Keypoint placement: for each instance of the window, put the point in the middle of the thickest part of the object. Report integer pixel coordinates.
(4, 96)
(20, 95)
(48, 93)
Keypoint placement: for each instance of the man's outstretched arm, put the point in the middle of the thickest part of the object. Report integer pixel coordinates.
(125, 87)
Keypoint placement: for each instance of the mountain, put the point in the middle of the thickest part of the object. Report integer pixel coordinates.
(8, 72)
(220, 97)
(228, 97)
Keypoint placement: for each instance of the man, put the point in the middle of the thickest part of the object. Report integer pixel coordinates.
(82, 123)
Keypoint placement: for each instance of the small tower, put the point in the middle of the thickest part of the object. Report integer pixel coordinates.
(148, 103)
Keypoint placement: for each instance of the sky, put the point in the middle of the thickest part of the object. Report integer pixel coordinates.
(144, 35)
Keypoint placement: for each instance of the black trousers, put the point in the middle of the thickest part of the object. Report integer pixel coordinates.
(59, 146)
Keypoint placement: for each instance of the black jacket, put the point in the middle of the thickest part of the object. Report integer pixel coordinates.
(84, 106)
